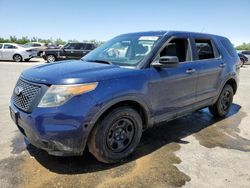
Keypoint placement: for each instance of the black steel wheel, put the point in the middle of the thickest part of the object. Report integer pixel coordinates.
(224, 102)
(116, 136)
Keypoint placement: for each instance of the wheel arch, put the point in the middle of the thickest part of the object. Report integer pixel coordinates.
(233, 83)
(139, 105)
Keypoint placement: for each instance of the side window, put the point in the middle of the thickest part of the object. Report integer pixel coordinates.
(204, 49)
(178, 47)
(36, 45)
(1, 45)
(79, 46)
(8, 46)
(70, 46)
(246, 52)
(89, 47)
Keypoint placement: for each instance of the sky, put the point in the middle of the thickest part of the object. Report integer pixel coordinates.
(102, 20)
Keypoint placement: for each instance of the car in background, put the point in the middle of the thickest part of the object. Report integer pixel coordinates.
(15, 52)
(38, 46)
(243, 59)
(52, 46)
(72, 50)
(247, 54)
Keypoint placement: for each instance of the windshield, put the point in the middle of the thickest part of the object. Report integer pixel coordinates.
(123, 50)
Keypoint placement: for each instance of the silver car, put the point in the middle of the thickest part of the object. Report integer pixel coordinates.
(15, 52)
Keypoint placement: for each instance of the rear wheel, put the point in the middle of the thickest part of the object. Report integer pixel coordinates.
(17, 58)
(242, 62)
(116, 136)
(224, 102)
(51, 58)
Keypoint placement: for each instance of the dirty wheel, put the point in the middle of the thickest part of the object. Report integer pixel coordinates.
(116, 136)
(224, 102)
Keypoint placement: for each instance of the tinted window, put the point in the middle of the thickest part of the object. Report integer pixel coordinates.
(89, 47)
(229, 47)
(204, 49)
(1, 45)
(246, 52)
(37, 45)
(80, 46)
(70, 46)
(8, 46)
(179, 48)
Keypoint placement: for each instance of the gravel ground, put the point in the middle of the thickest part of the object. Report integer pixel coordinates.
(193, 151)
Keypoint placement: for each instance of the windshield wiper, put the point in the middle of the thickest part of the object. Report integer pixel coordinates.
(99, 61)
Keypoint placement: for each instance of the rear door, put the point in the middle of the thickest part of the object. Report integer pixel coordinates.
(210, 67)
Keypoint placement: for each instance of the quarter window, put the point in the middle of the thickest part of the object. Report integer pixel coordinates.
(204, 49)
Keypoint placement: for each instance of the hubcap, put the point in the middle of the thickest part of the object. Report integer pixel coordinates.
(225, 101)
(120, 135)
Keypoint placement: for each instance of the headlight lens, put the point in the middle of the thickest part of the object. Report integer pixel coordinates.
(57, 95)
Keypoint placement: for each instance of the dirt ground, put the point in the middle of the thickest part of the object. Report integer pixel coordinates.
(193, 151)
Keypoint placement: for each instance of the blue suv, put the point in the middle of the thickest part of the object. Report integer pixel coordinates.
(106, 99)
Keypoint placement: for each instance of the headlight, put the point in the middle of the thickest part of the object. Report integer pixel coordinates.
(57, 95)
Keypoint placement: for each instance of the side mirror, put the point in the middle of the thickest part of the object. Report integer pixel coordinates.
(167, 62)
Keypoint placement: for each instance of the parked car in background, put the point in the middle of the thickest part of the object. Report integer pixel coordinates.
(72, 50)
(15, 52)
(107, 99)
(247, 54)
(38, 46)
(243, 58)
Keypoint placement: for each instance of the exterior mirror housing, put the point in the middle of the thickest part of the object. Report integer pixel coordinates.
(167, 62)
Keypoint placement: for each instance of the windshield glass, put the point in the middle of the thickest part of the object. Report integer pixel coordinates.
(124, 50)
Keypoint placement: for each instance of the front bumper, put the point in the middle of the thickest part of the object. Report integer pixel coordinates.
(61, 131)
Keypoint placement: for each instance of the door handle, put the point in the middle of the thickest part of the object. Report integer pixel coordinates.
(190, 71)
(222, 65)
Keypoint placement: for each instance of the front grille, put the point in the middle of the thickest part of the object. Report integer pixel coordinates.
(24, 98)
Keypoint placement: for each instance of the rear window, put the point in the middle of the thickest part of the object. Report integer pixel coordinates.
(229, 47)
(204, 49)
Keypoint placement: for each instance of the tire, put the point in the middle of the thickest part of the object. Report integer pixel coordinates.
(50, 58)
(17, 58)
(26, 60)
(116, 136)
(224, 102)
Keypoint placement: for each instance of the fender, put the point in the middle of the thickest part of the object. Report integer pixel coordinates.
(132, 98)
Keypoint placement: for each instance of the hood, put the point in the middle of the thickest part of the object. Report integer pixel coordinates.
(74, 72)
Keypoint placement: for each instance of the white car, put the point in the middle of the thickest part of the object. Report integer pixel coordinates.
(15, 52)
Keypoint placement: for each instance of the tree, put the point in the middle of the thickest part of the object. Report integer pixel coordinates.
(244, 46)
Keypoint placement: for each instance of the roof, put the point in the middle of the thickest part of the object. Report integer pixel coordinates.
(162, 33)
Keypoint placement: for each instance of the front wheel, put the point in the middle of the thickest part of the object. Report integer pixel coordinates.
(116, 136)
(224, 102)
(51, 58)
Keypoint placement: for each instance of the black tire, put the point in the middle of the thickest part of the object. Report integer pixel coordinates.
(224, 102)
(50, 58)
(116, 136)
(26, 60)
(17, 58)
